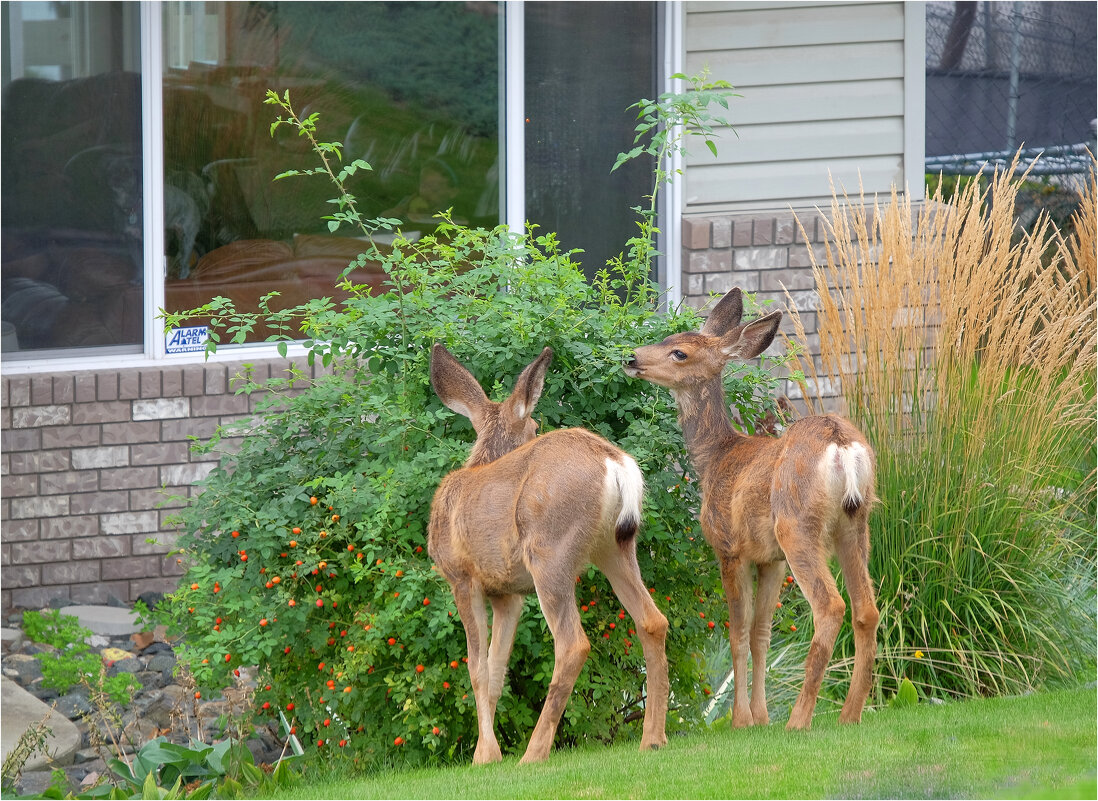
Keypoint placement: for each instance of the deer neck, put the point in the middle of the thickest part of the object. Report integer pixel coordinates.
(706, 425)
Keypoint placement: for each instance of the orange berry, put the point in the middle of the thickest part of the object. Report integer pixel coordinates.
(263, 622)
(313, 500)
(435, 730)
(276, 580)
(293, 544)
(398, 741)
(419, 668)
(198, 695)
(292, 602)
(194, 586)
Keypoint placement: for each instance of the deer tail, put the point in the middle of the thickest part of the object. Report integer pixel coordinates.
(857, 473)
(625, 482)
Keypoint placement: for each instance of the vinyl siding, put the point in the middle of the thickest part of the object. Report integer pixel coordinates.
(823, 97)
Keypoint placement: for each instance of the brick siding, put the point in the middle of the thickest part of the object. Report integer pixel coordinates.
(89, 463)
(760, 253)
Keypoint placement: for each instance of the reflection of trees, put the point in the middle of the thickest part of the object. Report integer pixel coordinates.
(440, 58)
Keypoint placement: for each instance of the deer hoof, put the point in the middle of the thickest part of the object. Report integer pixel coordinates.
(487, 754)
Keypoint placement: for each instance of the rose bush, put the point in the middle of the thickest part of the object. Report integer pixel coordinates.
(306, 547)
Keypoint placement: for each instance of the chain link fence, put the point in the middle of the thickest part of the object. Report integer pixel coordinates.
(1001, 76)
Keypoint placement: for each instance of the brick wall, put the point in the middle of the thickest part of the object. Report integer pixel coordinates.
(89, 462)
(759, 252)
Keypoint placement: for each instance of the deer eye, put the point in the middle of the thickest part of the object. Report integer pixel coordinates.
(678, 355)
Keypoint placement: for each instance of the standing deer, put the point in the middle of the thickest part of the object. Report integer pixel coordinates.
(798, 498)
(524, 515)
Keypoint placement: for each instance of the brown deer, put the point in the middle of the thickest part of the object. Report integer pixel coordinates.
(798, 498)
(524, 515)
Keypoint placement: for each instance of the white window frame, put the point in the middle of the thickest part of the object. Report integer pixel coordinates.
(512, 196)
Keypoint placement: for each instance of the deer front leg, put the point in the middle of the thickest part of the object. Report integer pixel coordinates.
(506, 611)
(570, 649)
(470, 601)
(768, 586)
(735, 576)
(619, 565)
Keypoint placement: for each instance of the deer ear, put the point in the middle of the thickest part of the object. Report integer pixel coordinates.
(456, 387)
(528, 386)
(725, 315)
(751, 340)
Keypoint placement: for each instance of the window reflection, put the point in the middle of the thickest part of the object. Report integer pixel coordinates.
(71, 176)
(410, 87)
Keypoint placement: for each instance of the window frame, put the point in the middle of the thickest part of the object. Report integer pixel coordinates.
(153, 353)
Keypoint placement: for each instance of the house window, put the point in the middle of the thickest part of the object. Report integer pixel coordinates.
(71, 178)
(412, 88)
(98, 234)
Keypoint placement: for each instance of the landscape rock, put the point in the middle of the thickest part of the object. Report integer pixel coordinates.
(22, 668)
(111, 621)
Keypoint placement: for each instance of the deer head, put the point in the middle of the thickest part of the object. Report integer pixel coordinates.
(691, 359)
(500, 427)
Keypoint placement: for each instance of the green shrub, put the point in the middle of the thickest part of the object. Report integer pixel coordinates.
(306, 547)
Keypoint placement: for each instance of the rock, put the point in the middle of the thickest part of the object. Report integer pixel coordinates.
(150, 679)
(142, 640)
(85, 755)
(22, 668)
(112, 655)
(129, 665)
(163, 661)
(97, 641)
(158, 648)
(73, 706)
(111, 621)
(23, 711)
(10, 639)
(34, 782)
(31, 648)
(139, 731)
(151, 598)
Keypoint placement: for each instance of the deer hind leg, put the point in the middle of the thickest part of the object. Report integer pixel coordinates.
(736, 578)
(853, 552)
(768, 586)
(801, 543)
(620, 567)
(506, 610)
(470, 601)
(570, 649)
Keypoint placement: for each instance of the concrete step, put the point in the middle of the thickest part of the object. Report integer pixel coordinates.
(110, 621)
(22, 711)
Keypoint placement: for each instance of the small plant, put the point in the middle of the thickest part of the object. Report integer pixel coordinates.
(72, 662)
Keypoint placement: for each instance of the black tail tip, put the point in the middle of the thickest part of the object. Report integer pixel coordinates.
(625, 531)
(851, 506)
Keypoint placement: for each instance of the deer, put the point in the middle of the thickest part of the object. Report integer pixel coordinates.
(769, 501)
(525, 514)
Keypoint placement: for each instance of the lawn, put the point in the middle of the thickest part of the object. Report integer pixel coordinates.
(1036, 746)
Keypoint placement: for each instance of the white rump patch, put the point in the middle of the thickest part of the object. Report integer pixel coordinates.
(846, 471)
(623, 492)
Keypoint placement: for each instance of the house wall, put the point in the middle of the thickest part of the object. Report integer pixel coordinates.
(832, 100)
(90, 461)
(826, 91)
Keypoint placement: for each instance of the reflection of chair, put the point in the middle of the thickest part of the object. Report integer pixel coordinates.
(245, 270)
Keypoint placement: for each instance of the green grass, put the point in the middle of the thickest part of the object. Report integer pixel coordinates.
(1036, 746)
